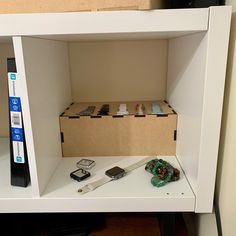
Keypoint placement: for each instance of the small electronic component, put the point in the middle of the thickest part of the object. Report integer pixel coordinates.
(85, 164)
(115, 173)
(111, 174)
(104, 111)
(88, 111)
(80, 174)
(156, 109)
(140, 109)
(123, 110)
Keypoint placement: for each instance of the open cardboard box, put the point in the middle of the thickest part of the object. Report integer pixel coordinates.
(113, 135)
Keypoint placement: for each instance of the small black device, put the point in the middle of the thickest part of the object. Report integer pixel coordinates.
(104, 111)
(88, 111)
(115, 173)
(194, 3)
(80, 174)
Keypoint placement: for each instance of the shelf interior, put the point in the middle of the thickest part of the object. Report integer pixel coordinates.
(76, 77)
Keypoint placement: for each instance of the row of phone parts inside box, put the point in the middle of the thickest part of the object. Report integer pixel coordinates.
(140, 109)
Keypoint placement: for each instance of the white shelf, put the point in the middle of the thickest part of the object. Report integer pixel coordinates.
(134, 192)
(6, 190)
(97, 25)
(196, 65)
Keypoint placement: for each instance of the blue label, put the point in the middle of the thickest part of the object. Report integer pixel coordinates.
(15, 104)
(17, 134)
(13, 76)
(19, 159)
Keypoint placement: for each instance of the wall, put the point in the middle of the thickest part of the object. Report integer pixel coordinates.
(225, 190)
(125, 70)
(225, 186)
(6, 50)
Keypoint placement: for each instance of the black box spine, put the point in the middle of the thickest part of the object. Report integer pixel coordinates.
(20, 175)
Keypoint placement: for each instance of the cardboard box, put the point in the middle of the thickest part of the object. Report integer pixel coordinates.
(118, 135)
(38, 6)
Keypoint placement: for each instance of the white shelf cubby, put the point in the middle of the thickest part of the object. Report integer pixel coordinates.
(181, 53)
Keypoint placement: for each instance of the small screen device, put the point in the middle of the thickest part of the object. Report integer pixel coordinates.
(87, 112)
(85, 164)
(104, 111)
(80, 174)
(115, 173)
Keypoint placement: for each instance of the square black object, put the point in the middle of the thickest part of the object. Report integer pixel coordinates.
(115, 172)
(79, 174)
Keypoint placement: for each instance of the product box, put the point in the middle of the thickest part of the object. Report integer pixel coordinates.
(37, 6)
(18, 153)
(118, 135)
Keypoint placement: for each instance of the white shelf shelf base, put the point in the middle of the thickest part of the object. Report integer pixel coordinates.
(134, 192)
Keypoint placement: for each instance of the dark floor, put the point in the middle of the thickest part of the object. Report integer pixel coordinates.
(115, 224)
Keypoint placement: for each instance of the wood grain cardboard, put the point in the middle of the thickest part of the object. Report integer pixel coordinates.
(41, 6)
(117, 136)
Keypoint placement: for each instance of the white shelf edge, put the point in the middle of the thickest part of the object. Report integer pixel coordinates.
(216, 62)
(99, 23)
(17, 44)
(94, 205)
(61, 193)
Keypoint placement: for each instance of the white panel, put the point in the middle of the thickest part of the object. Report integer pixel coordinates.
(185, 90)
(139, 22)
(17, 42)
(217, 48)
(225, 191)
(206, 225)
(118, 70)
(48, 87)
(196, 78)
(6, 50)
(133, 193)
(117, 36)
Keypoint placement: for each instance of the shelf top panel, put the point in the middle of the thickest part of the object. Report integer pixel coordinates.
(106, 25)
(6, 190)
